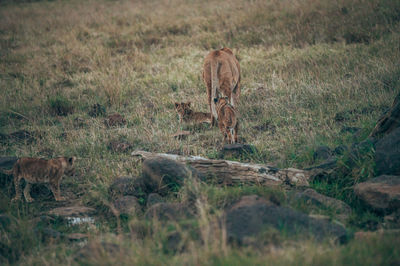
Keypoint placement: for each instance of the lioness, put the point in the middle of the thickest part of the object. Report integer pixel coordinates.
(221, 74)
(188, 115)
(35, 170)
(227, 119)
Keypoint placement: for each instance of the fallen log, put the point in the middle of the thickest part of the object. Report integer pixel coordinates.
(235, 172)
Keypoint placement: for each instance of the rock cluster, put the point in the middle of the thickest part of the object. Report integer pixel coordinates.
(252, 215)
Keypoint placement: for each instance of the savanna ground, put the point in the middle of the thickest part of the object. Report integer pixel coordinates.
(311, 71)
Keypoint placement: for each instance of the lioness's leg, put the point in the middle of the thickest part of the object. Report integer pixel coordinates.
(232, 135)
(59, 190)
(17, 189)
(213, 120)
(27, 191)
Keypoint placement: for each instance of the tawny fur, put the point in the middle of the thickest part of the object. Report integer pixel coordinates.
(227, 120)
(221, 75)
(187, 115)
(36, 170)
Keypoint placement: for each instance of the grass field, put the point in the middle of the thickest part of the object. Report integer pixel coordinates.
(310, 69)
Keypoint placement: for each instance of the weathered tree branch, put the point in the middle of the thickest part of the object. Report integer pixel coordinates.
(236, 172)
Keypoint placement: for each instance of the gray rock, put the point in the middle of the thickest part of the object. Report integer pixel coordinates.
(248, 218)
(128, 205)
(387, 154)
(381, 193)
(153, 198)
(7, 162)
(127, 186)
(312, 197)
(163, 175)
(173, 243)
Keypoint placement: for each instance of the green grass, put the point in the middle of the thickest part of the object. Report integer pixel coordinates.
(309, 69)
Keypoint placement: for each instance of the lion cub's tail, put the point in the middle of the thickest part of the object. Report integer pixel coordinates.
(214, 86)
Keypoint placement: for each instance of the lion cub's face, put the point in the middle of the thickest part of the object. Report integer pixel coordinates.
(227, 120)
(183, 109)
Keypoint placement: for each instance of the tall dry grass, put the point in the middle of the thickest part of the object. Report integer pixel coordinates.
(309, 70)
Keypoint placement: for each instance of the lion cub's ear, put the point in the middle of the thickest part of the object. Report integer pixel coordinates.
(71, 160)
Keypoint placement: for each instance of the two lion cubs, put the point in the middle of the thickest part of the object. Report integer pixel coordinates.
(221, 75)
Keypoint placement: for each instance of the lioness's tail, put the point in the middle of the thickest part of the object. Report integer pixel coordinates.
(214, 86)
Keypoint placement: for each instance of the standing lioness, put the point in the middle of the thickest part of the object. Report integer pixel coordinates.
(221, 74)
(36, 170)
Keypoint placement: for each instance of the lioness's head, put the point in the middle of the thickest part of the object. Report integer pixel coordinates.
(183, 109)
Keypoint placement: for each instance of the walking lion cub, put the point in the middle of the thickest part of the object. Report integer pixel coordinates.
(227, 120)
(36, 170)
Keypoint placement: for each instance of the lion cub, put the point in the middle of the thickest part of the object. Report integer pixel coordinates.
(35, 170)
(188, 115)
(227, 119)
